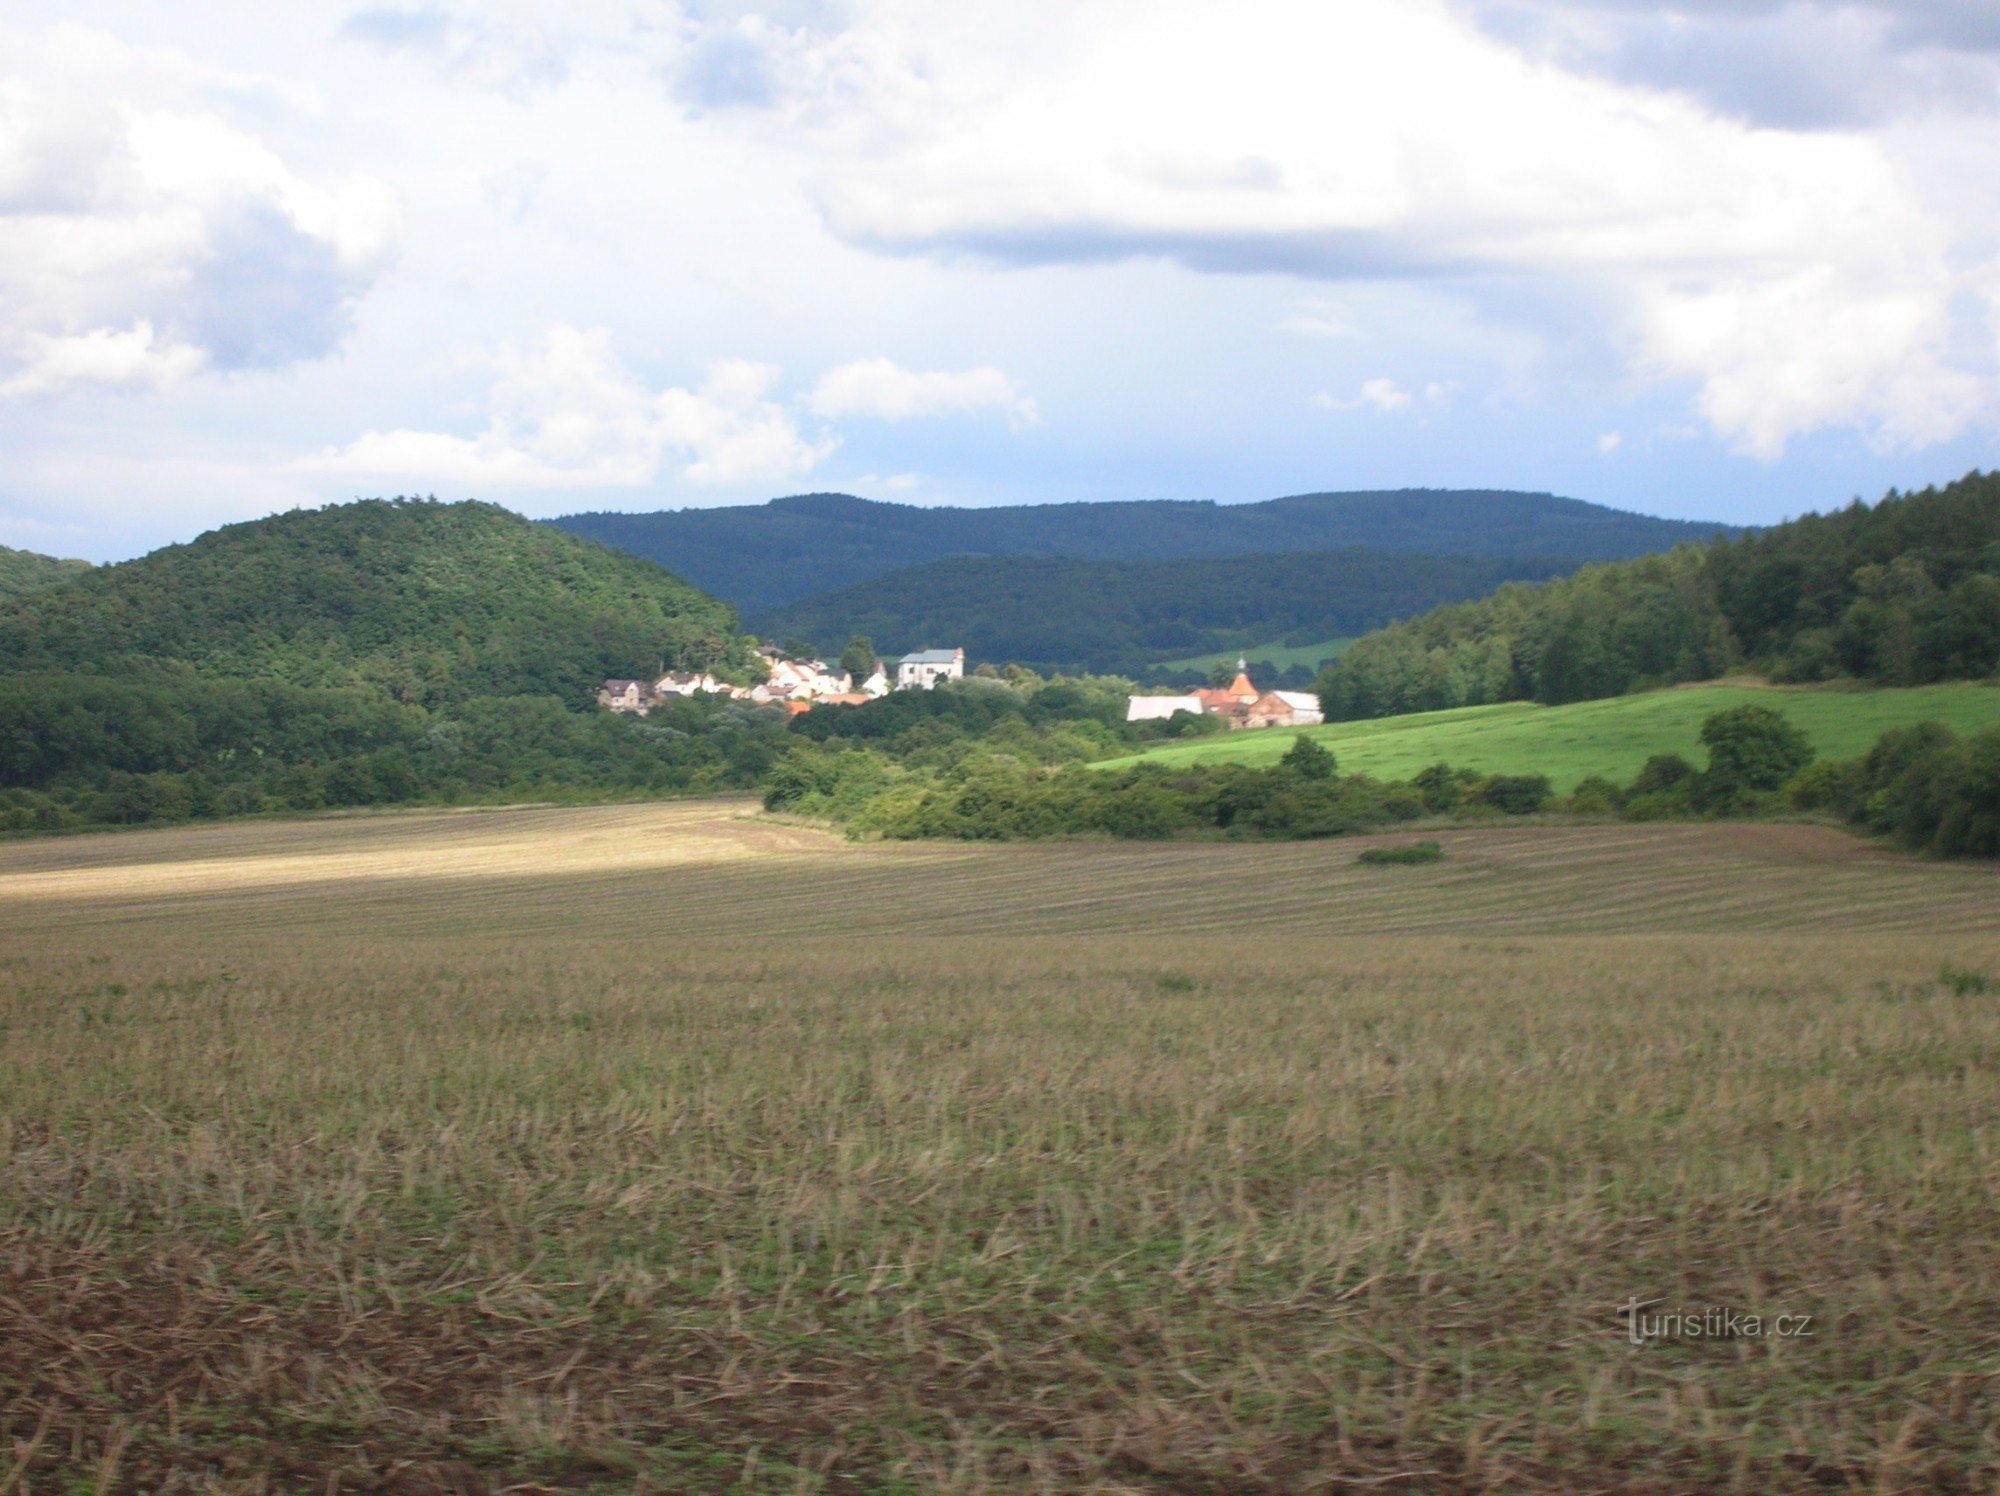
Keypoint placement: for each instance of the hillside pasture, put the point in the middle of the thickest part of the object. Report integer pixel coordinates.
(673, 1148)
(1613, 737)
(1269, 656)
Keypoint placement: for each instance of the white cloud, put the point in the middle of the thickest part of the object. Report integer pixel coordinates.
(1320, 317)
(894, 482)
(1383, 395)
(1799, 280)
(107, 358)
(880, 388)
(143, 236)
(1610, 442)
(569, 414)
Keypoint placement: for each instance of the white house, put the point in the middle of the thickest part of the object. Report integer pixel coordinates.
(1159, 708)
(687, 683)
(927, 667)
(1305, 707)
(877, 683)
(829, 680)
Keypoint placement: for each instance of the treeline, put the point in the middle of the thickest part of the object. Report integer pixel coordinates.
(997, 776)
(979, 765)
(1062, 616)
(24, 571)
(1901, 593)
(83, 751)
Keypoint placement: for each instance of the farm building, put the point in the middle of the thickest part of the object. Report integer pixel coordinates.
(1239, 702)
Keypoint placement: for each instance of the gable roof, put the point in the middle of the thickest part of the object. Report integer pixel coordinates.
(933, 657)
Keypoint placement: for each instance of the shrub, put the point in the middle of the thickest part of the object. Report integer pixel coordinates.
(1835, 785)
(1423, 851)
(1596, 796)
(1515, 794)
(1752, 750)
(1309, 760)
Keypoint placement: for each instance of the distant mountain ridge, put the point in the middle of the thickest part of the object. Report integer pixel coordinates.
(1059, 615)
(764, 556)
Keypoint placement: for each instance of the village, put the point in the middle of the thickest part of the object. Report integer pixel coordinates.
(799, 685)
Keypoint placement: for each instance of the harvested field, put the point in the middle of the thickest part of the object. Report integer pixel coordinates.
(670, 1148)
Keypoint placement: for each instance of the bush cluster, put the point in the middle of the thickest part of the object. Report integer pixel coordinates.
(1924, 786)
(81, 751)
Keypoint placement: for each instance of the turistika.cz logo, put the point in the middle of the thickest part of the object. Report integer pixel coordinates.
(1645, 1323)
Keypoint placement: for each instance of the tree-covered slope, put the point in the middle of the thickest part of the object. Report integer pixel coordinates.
(1900, 593)
(763, 556)
(432, 602)
(24, 571)
(1057, 614)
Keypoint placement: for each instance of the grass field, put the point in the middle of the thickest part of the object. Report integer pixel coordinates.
(1613, 737)
(665, 1148)
(1275, 656)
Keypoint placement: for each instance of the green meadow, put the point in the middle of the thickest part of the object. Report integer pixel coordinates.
(1271, 656)
(1612, 737)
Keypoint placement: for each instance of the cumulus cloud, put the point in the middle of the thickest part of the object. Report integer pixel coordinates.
(144, 237)
(1383, 395)
(1320, 317)
(882, 389)
(569, 414)
(1798, 279)
(132, 359)
(1610, 442)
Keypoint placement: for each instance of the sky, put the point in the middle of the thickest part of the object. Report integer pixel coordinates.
(1726, 259)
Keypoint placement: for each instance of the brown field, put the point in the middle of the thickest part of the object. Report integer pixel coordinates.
(669, 1148)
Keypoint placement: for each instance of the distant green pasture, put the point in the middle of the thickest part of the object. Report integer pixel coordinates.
(1612, 737)
(1277, 656)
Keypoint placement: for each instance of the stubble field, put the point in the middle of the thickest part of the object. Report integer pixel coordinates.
(671, 1148)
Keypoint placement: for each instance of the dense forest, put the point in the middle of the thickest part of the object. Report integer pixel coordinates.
(24, 571)
(763, 556)
(371, 653)
(1898, 593)
(427, 602)
(1064, 616)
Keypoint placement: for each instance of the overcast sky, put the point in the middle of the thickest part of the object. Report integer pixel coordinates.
(1727, 259)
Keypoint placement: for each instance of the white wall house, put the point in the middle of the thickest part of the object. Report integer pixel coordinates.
(687, 683)
(1305, 707)
(1158, 708)
(927, 667)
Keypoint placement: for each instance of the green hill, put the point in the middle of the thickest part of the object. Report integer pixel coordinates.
(1612, 737)
(1899, 593)
(430, 602)
(24, 571)
(1122, 617)
(763, 556)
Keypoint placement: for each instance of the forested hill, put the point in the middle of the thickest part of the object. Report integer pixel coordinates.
(1054, 614)
(430, 602)
(24, 571)
(1900, 593)
(763, 556)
